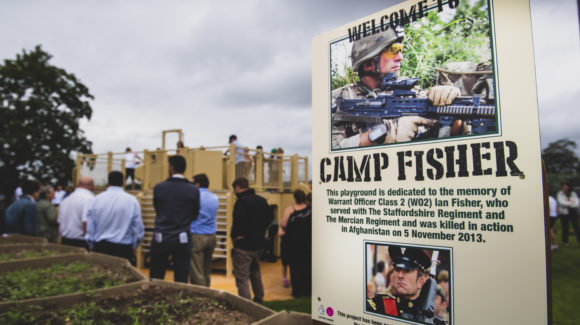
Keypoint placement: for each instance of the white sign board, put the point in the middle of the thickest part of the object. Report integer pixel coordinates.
(427, 170)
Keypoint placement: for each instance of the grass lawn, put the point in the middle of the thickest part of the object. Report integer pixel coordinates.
(565, 286)
(301, 305)
(566, 281)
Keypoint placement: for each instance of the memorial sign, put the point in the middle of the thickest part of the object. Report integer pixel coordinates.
(427, 187)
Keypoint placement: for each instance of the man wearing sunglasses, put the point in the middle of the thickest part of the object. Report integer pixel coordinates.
(373, 58)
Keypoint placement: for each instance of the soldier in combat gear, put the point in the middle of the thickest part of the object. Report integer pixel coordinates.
(373, 57)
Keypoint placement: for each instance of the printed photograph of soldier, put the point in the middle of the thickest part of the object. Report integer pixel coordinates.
(424, 79)
(417, 283)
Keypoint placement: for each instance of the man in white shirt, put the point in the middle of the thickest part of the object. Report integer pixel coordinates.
(131, 162)
(553, 218)
(72, 214)
(568, 204)
(114, 224)
(242, 164)
(59, 195)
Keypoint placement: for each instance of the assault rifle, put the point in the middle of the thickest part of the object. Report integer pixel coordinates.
(404, 102)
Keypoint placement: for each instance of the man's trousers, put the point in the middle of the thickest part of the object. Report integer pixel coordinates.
(246, 270)
(180, 255)
(200, 265)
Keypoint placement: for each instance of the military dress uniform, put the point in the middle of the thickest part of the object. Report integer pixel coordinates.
(420, 309)
(383, 304)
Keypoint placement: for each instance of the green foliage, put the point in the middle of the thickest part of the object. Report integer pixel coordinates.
(561, 163)
(341, 75)
(141, 311)
(17, 316)
(559, 157)
(40, 109)
(433, 42)
(27, 254)
(339, 80)
(301, 305)
(565, 282)
(55, 280)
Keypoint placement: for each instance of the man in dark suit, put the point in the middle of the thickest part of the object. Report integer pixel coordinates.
(176, 202)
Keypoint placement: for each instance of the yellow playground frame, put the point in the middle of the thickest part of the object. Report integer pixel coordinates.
(273, 176)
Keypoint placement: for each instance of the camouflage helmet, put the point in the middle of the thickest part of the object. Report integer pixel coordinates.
(368, 47)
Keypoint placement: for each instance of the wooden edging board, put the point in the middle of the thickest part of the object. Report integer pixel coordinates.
(13, 239)
(285, 317)
(63, 301)
(63, 250)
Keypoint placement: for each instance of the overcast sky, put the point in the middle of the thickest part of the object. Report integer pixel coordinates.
(213, 68)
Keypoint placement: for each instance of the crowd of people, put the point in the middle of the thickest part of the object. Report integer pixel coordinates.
(109, 222)
(185, 233)
(246, 163)
(34, 210)
(185, 226)
(565, 209)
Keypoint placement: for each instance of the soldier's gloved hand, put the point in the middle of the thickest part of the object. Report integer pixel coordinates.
(405, 128)
(443, 95)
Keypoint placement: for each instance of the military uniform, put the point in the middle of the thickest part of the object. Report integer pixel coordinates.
(366, 61)
(420, 309)
(347, 134)
(383, 304)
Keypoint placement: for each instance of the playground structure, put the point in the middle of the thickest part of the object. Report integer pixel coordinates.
(272, 176)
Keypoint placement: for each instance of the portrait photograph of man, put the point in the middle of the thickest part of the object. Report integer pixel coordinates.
(408, 282)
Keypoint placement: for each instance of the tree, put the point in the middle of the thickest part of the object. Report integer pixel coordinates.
(560, 158)
(40, 109)
(561, 163)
